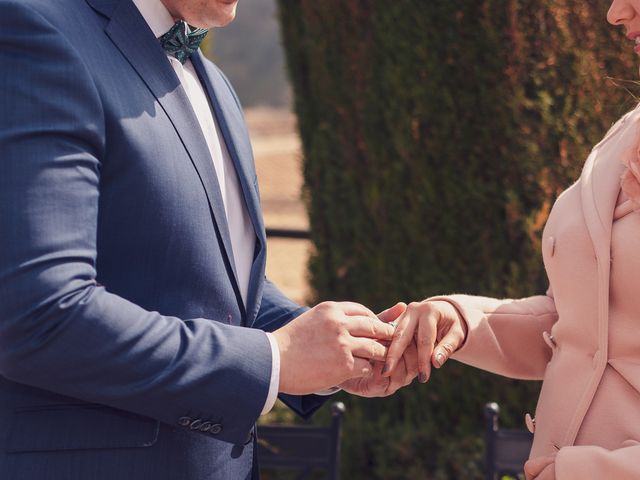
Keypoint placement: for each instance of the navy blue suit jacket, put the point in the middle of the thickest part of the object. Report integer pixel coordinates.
(125, 348)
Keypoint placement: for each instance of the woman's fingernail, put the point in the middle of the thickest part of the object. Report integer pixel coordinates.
(440, 358)
(422, 377)
(385, 369)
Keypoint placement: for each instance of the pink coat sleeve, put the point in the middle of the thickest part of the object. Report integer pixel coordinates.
(597, 463)
(505, 336)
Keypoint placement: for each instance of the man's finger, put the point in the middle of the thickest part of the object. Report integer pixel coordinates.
(359, 326)
(368, 349)
(402, 337)
(353, 308)
(361, 368)
(378, 384)
(447, 345)
(391, 314)
(425, 341)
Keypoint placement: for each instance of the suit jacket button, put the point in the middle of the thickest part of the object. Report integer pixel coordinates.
(531, 423)
(184, 421)
(215, 429)
(205, 427)
(195, 425)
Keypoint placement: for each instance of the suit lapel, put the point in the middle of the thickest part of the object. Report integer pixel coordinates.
(229, 119)
(133, 37)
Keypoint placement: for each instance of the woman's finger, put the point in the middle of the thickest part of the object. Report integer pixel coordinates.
(425, 340)
(399, 376)
(393, 313)
(449, 343)
(402, 337)
(410, 358)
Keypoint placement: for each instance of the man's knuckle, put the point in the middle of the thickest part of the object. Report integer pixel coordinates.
(347, 361)
(343, 342)
(334, 324)
(350, 363)
(330, 309)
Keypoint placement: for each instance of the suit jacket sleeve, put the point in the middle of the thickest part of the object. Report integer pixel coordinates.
(506, 336)
(59, 330)
(277, 310)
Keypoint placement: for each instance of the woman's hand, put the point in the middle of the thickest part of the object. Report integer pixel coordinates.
(438, 330)
(375, 385)
(541, 468)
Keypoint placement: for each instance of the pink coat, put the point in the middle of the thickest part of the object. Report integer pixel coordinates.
(583, 337)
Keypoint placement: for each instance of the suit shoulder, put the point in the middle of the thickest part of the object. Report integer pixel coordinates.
(59, 13)
(45, 8)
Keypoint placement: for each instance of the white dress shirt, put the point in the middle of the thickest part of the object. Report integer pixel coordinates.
(242, 234)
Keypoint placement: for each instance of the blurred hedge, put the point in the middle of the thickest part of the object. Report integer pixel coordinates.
(436, 136)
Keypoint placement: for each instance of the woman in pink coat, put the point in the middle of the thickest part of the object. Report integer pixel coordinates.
(583, 337)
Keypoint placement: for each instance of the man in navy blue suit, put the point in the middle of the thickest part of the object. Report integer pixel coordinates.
(134, 310)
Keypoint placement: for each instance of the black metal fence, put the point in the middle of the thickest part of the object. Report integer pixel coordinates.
(288, 233)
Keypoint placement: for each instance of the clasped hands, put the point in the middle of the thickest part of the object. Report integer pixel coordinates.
(345, 344)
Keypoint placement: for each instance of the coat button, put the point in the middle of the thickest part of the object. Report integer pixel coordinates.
(184, 421)
(215, 429)
(195, 425)
(530, 422)
(205, 427)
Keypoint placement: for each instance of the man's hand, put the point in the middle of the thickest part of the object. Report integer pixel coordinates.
(438, 331)
(329, 344)
(375, 385)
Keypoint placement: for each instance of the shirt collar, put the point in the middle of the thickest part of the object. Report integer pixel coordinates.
(156, 15)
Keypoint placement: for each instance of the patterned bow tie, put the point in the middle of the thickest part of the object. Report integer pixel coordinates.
(182, 40)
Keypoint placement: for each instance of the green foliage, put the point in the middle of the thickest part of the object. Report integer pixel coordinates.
(436, 136)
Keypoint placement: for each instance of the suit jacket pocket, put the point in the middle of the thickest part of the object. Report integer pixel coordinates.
(78, 427)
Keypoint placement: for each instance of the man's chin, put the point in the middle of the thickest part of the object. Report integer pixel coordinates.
(226, 21)
(226, 12)
(222, 15)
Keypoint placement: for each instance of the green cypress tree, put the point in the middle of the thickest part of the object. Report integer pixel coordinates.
(436, 136)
